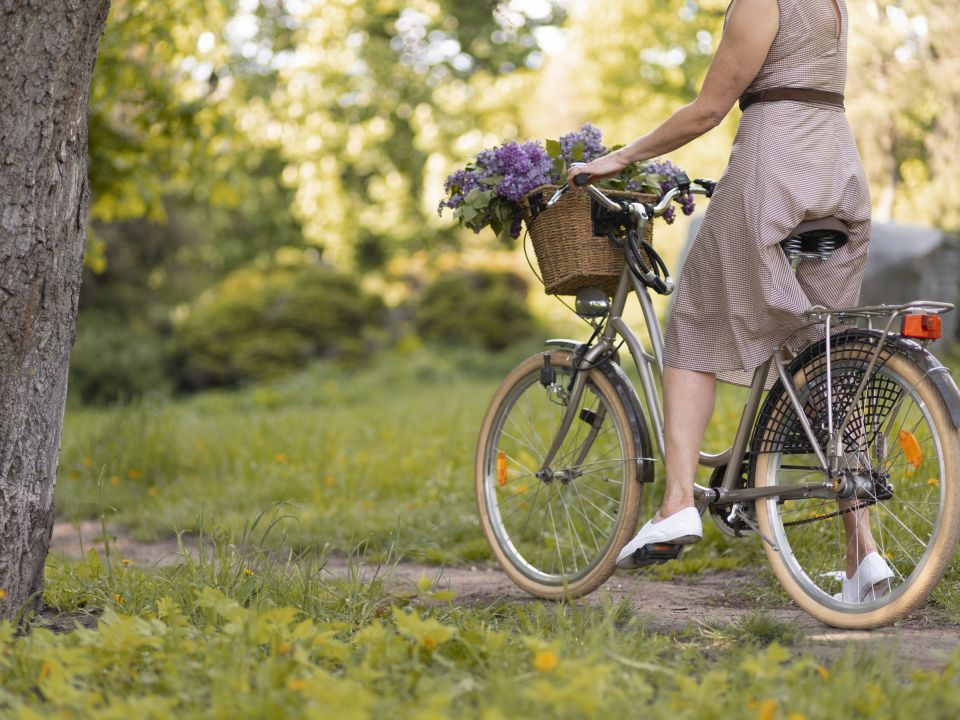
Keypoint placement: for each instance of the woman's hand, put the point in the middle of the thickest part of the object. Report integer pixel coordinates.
(602, 167)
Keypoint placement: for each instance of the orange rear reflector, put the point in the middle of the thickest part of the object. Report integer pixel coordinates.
(923, 327)
(911, 448)
(502, 468)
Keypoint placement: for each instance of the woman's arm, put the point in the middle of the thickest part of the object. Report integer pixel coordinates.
(750, 31)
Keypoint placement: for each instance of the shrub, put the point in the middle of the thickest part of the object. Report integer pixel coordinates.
(255, 325)
(485, 308)
(113, 360)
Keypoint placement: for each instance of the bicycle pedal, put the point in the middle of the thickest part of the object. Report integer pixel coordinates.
(656, 553)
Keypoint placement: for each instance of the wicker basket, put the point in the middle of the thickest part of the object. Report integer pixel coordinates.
(570, 256)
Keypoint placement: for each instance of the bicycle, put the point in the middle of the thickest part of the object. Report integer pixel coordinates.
(862, 421)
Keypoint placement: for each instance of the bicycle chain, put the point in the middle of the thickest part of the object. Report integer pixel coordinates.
(861, 506)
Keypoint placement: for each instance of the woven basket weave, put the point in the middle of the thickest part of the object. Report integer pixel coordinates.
(569, 255)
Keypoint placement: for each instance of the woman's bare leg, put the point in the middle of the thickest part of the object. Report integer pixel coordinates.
(860, 542)
(688, 399)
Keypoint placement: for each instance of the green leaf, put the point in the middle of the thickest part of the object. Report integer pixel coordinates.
(577, 152)
(553, 148)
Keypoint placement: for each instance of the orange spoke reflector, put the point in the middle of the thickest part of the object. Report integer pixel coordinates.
(502, 468)
(911, 448)
(922, 327)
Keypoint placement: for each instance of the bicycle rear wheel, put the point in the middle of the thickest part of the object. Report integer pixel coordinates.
(904, 440)
(559, 536)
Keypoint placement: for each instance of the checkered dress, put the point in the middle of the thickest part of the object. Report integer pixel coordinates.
(737, 299)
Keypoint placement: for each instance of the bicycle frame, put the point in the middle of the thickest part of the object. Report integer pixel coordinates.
(650, 368)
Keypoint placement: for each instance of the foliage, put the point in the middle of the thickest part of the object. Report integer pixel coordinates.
(258, 324)
(490, 190)
(237, 632)
(480, 308)
(112, 360)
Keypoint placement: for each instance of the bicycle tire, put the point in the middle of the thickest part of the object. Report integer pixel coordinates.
(916, 529)
(609, 517)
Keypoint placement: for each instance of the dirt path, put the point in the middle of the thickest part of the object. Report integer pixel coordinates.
(706, 600)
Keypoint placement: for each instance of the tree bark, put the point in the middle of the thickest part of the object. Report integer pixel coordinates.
(47, 53)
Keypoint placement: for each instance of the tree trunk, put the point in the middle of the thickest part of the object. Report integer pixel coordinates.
(47, 53)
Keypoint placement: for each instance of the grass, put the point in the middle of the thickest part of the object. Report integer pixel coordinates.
(240, 632)
(376, 460)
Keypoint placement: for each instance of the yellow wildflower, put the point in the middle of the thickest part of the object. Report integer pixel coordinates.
(280, 458)
(545, 660)
(933, 482)
(134, 474)
(44, 671)
(118, 598)
(114, 479)
(88, 461)
(822, 672)
(3, 594)
(297, 684)
(125, 561)
(152, 491)
(284, 648)
(248, 572)
(767, 710)
(428, 642)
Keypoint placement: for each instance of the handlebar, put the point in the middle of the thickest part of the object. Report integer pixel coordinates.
(641, 210)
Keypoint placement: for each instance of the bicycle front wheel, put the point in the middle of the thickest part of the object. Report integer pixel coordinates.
(902, 438)
(558, 535)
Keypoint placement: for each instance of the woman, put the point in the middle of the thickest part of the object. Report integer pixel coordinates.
(792, 160)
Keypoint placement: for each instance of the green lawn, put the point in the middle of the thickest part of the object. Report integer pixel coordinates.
(380, 455)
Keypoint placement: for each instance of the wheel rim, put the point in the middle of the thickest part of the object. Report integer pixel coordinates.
(554, 532)
(809, 533)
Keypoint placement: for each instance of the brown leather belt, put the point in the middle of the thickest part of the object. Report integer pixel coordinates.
(790, 93)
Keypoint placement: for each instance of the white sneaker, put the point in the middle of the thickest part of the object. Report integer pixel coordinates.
(681, 528)
(871, 581)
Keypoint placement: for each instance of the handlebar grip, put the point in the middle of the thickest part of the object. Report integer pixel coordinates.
(581, 179)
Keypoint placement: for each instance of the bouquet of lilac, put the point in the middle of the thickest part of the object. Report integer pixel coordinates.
(489, 191)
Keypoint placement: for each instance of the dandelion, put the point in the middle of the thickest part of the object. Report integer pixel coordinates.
(247, 571)
(152, 491)
(88, 461)
(822, 672)
(125, 561)
(767, 710)
(280, 458)
(933, 482)
(134, 474)
(118, 598)
(545, 660)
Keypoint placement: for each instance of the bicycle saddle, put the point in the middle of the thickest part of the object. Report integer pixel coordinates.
(815, 239)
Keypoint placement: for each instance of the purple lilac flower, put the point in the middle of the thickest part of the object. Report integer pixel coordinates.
(523, 167)
(458, 184)
(664, 173)
(589, 136)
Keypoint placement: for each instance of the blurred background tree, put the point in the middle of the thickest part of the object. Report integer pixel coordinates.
(243, 138)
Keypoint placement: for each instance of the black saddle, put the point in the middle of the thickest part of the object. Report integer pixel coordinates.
(815, 239)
